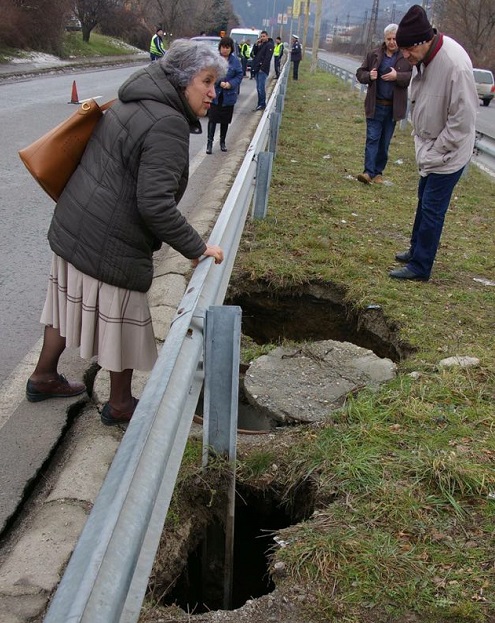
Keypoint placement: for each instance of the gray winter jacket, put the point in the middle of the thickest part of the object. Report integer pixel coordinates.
(121, 202)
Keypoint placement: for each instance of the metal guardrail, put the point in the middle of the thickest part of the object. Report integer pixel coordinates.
(346, 75)
(484, 150)
(107, 575)
(484, 147)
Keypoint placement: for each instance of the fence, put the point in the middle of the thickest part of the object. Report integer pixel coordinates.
(107, 575)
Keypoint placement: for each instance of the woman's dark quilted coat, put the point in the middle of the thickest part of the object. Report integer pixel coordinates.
(121, 202)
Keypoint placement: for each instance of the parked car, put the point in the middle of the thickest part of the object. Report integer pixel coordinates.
(485, 85)
(73, 24)
(211, 40)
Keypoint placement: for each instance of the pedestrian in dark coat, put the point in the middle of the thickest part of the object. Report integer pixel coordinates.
(387, 74)
(118, 207)
(261, 67)
(227, 90)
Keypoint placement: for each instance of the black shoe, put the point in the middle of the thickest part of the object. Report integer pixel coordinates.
(111, 417)
(223, 147)
(209, 147)
(405, 256)
(259, 108)
(405, 273)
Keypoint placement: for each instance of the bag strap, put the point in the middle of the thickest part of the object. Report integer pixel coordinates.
(107, 104)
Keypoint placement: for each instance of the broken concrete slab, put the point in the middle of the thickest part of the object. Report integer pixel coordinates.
(306, 383)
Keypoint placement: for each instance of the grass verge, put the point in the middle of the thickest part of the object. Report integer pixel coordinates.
(404, 528)
(74, 47)
(98, 45)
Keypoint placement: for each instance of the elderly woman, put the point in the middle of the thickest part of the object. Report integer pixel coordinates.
(227, 90)
(117, 209)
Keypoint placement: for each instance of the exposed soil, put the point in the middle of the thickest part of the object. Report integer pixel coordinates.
(315, 311)
(201, 503)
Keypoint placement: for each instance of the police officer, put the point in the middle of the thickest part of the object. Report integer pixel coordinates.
(156, 46)
(245, 52)
(295, 56)
(278, 51)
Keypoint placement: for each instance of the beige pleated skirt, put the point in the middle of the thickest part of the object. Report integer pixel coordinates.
(110, 323)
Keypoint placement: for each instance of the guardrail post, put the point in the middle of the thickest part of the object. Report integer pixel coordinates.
(275, 119)
(263, 177)
(221, 397)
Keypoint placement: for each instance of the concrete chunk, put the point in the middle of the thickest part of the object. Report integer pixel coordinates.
(306, 383)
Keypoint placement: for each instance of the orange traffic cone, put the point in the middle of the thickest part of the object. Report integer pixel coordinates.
(74, 98)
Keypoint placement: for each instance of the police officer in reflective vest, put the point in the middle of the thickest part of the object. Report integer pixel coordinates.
(245, 52)
(277, 55)
(156, 46)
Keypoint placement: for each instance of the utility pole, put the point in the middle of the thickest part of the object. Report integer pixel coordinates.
(372, 25)
(306, 24)
(316, 37)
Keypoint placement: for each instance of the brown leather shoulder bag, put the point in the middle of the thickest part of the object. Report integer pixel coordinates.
(54, 157)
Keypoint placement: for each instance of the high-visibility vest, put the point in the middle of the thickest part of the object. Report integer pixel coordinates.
(245, 50)
(156, 46)
(278, 49)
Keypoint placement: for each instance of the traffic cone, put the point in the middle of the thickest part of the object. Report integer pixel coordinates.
(74, 98)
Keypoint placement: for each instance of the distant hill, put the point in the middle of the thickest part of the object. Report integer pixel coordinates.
(259, 13)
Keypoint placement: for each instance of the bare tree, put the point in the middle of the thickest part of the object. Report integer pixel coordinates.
(472, 23)
(90, 13)
(186, 18)
(37, 24)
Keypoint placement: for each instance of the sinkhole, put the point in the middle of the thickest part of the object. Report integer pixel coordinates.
(250, 419)
(258, 516)
(316, 312)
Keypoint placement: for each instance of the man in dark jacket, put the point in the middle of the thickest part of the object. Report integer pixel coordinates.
(387, 74)
(295, 56)
(261, 67)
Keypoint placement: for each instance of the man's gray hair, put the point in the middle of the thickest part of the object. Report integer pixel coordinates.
(390, 28)
(186, 58)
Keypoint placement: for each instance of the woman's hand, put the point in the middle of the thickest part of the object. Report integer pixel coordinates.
(212, 250)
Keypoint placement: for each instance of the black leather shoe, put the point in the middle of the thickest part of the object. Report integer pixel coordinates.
(405, 256)
(111, 417)
(405, 273)
(223, 147)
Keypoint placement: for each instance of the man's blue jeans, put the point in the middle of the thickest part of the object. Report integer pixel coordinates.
(379, 131)
(434, 193)
(260, 87)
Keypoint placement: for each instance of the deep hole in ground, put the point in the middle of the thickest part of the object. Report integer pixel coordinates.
(315, 312)
(250, 420)
(258, 515)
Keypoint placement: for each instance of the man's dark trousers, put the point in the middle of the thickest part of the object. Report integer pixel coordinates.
(434, 193)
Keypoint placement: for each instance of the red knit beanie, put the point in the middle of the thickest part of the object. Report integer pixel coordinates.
(414, 28)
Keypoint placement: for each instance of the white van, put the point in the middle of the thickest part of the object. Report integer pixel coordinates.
(485, 85)
(243, 34)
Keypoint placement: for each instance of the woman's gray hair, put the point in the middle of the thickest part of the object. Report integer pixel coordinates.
(185, 58)
(390, 28)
